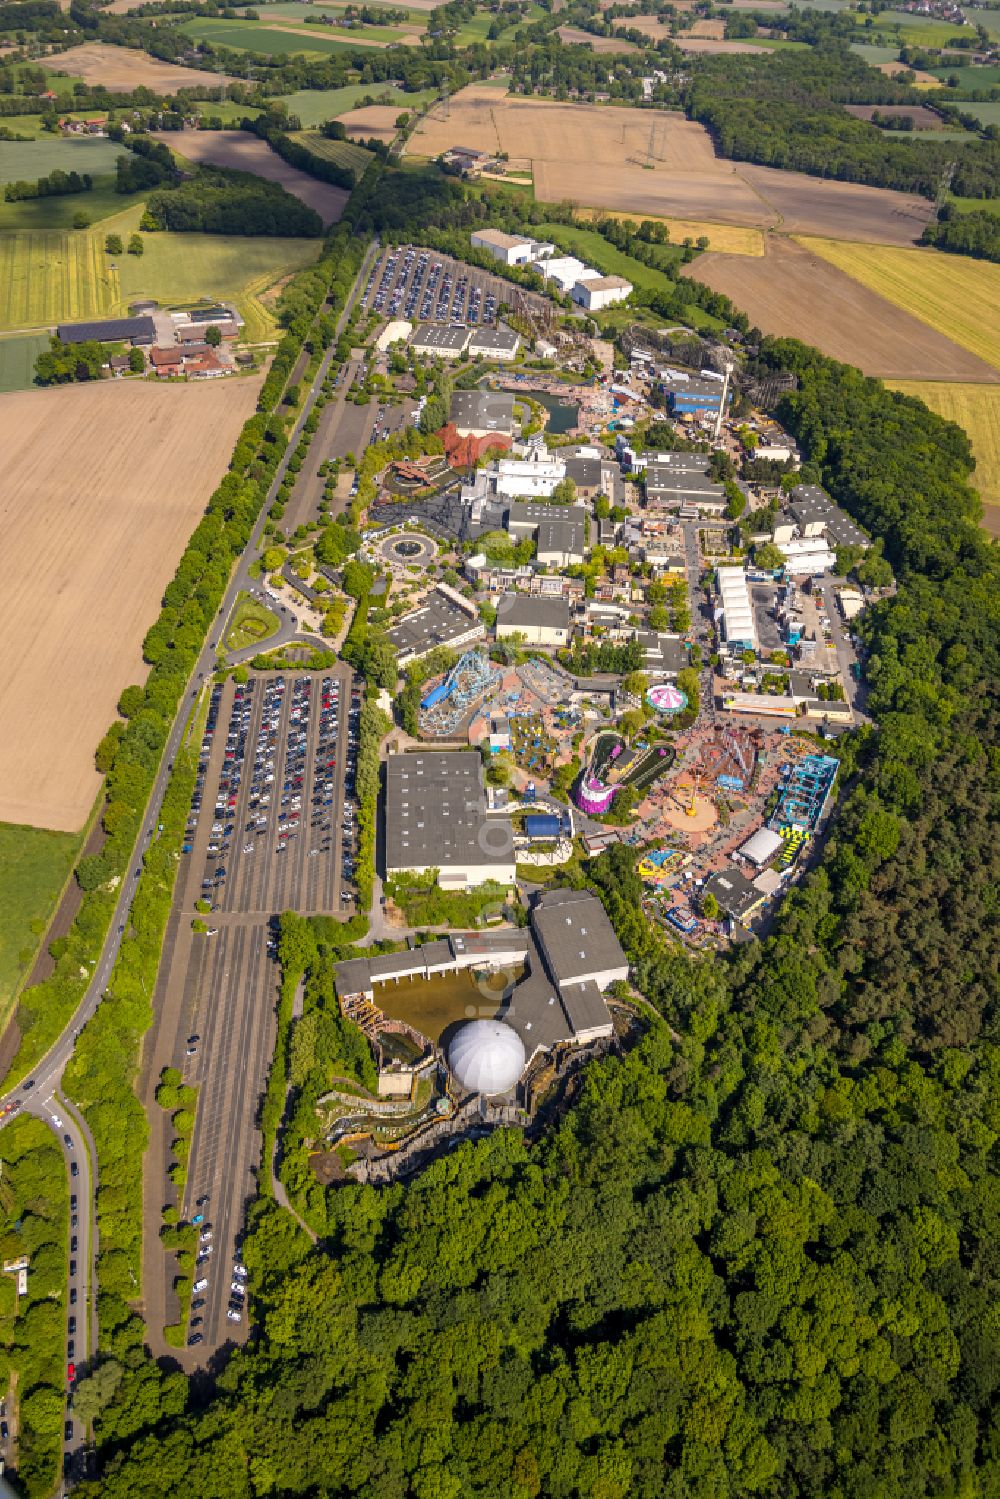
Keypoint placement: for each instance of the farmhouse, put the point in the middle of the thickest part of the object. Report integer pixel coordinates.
(541, 621)
(136, 330)
(436, 818)
(445, 618)
(601, 291)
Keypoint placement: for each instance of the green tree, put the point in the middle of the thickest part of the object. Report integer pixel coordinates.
(136, 361)
(768, 557)
(135, 244)
(213, 336)
(113, 244)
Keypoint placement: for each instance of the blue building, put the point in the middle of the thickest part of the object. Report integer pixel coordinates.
(542, 825)
(695, 397)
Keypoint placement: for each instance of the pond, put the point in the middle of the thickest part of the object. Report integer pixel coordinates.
(562, 416)
(432, 1005)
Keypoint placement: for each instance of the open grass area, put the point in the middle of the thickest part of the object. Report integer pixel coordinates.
(17, 360)
(34, 866)
(341, 153)
(593, 248)
(250, 624)
(976, 408)
(313, 106)
(986, 114)
(52, 276)
(958, 296)
(58, 213)
(29, 160)
(311, 41)
(975, 205)
(985, 76)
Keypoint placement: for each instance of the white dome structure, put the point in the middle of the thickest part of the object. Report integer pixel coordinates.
(486, 1056)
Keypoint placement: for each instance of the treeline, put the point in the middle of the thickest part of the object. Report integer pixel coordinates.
(62, 364)
(219, 201)
(976, 234)
(298, 155)
(785, 111)
(56, 185)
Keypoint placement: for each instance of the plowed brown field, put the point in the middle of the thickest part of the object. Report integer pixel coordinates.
(790, 291)
(103, 485)
(122, 69)
(661, 165)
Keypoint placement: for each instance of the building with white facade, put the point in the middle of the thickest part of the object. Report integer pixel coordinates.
(602, 291)
(436, 818)
(565, 271)
(541, 621)
(511, 249)
(529, 478)
(493, 343)
(807, 554)
(735, 608)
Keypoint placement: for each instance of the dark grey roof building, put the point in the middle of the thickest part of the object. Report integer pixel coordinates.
(440, 620)
(813, 511)
(137, 330)
(436, 818)
(544, 621)
(481, 412)
(577, 939)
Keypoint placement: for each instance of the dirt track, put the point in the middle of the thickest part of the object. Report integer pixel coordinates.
(245, 153)
(792, 292)
(103, 486)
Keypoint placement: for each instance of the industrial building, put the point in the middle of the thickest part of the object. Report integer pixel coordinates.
(439, 340)
(482, 413)
(436, 817)
(511, 249)
(525, 478)
(693, 397)
(738, 897)
(445, 618)
(523, 518)
(565, 271)
(669, 488)
(662, 655)
(807, 555)
(562, 542)
(493, 343)
(811, 513)
(597, 292)
(735, 609)
(541, 621)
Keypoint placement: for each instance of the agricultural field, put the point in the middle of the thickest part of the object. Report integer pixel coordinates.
(25, 161)
(372, 122)
(314, 106)
(659, 165)
(102, 202)
(286, 36)
(703, 45)
(976, 408)
(342, 153)
(122, 69)
(17, 360)
(953, 294)
(573, 36)
(728, 239)
(986, 114)
(245, 153)
(793, 292)
(57, 276)
(922, 117)
(34, 865)
(103, 485)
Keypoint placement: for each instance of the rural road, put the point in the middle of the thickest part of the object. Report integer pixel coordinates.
(37, 1092)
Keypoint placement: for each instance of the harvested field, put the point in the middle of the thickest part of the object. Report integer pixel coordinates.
(977, 409)
(122, 69)
(573, 36)
(103, 485)
(728, 239)
(373, 121)
(954, 294)
(793, 292)
(659, 165)
(245, 153)
(850, 210)
(650, 26)
(920, 78)
(696, 44)
(922, 117)
(715, 30)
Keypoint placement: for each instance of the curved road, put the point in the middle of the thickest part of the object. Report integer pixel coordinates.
(38, 1091)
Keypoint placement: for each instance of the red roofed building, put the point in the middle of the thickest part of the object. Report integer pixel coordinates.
(464, 452)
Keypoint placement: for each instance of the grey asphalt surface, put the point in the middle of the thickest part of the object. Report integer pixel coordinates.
(46, 1075)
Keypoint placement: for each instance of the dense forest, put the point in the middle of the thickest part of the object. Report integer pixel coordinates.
(976, 234)
(759, 1253)
(785, 111)
(220, 201)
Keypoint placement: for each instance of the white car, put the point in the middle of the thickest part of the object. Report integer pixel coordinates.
(234, 1316)
(200, 1285)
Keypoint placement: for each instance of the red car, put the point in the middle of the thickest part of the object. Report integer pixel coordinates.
(71, 1373)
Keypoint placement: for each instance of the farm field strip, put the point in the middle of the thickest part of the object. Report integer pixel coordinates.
(976, 408)
(52, 275)
(953, 294)
(103, 486)
(729, 239)
(793, 293)
(342, 153)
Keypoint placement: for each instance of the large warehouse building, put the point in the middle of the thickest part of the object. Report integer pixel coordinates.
(436, 818)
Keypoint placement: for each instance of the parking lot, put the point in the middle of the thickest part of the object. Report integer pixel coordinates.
(421, 284)
(273, 821)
